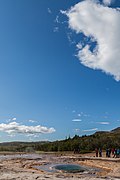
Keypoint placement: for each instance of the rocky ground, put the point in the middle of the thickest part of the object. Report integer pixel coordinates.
(23, 168)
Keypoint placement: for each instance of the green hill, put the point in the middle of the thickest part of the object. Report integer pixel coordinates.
(100, 139)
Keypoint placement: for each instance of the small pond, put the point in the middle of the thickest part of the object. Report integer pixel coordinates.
(69, 168)
(66, 168)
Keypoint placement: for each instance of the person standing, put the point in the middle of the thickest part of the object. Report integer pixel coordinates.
(96, 152)
(107, 152)
(100, 152)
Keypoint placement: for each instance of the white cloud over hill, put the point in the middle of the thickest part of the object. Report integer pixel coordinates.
(14, 127)
(102, 25)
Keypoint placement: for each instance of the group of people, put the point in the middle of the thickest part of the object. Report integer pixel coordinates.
(98, 152)
(114, 152)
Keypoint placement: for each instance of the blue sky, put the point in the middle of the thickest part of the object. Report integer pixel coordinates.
(48, 90)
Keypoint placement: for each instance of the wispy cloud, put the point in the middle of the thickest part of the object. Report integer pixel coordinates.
(106, 117)
(101, 25)
(57, 19)
(11, 135)
(76, 130)
(73, 111)
(32, 121)
(76, 120)
(89, 130)
(104, 123)
(49, 11)
(107, 2)
(86, 115)
(32, 135)
(56, 29)
(14, 119)
(11, 119)
(70, 39)
(14, 127)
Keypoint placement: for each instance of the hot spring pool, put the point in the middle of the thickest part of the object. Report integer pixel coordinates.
(70, 168)
(67, 168)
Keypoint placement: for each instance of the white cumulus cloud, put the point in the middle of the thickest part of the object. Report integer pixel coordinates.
(102, 25)
(14, 127)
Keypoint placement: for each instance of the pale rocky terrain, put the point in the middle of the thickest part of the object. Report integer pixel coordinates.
(23, 168)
